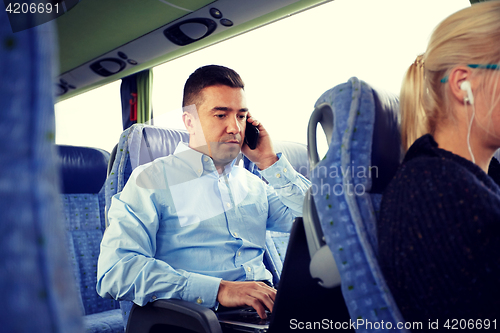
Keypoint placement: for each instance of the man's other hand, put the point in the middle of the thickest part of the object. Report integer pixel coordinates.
(258, 295)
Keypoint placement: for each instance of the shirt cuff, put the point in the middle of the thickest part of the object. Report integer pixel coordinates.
(201, 289)
(280, 173)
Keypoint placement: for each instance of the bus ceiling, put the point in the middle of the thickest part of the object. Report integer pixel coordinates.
(101, 41)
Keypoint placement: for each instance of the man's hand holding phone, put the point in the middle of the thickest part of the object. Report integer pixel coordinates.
(263, 154)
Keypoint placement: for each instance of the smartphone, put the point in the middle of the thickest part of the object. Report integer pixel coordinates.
(251, 135)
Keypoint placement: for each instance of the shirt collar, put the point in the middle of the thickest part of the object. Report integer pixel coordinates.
(197, 161)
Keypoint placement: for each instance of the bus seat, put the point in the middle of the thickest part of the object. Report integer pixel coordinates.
(138, 144)
(362, 127)
(35, 275)
(142, 143)
(83, 173)
(497, 154)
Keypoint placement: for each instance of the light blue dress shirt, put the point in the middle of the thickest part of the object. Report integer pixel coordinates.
(179, 227)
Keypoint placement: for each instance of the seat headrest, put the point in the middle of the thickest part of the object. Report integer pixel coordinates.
(83, 169)
(147, 143)
(386, 144)
(332, 111)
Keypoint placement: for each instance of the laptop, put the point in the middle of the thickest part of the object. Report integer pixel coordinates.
(299, 299)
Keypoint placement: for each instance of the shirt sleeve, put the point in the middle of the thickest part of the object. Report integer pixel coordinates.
(285, 194)
(127, 267)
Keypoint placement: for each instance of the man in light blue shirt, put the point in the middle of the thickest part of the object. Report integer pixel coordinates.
(192, 225)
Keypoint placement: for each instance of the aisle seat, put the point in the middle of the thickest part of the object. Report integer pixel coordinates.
(362, 128)
(83, 173)
(38, 294)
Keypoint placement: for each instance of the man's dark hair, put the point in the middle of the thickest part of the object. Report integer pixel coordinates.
(206, 76)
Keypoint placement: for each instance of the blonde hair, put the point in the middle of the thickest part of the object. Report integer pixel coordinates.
(470, 36)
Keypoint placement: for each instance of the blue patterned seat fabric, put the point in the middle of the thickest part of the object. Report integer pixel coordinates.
(83, 173)
(363, 156)
(140, 144)
(35, 276)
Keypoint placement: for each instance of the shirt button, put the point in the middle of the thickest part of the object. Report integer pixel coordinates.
(235, 234)
(278, 175)
(154, 297)
(205, 159)
(228, 204)
(239, 253)
(199, 300)
(249, 269)
(285, 170)
(199, 170)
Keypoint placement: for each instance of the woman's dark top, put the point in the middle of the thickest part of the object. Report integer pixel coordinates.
(439, 236)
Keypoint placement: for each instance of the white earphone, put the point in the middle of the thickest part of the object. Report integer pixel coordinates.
(465, 86)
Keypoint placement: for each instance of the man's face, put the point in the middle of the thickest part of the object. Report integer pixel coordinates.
(222, 115)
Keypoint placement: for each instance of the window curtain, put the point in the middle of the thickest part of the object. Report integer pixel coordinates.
(144, 95)
(136, 94)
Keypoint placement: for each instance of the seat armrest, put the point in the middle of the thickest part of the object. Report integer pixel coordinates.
(172, 313)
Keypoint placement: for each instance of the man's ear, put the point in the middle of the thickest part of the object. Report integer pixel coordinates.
(457, 76)
(188, 120)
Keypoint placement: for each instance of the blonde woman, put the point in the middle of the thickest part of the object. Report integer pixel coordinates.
(439, 231)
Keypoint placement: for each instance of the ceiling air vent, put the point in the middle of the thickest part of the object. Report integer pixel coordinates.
(108, 66)
(62, 87)
(189, 31)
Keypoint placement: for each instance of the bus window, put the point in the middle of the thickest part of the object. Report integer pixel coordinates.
(92, 119)
(286, 66)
